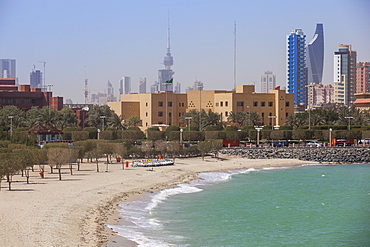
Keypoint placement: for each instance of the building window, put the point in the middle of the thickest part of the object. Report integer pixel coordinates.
(179, 114)
(286, 114)
(179, 104)
(160, 114)
(221, 103)
(240, 103)
(263, 103)
(271, 104)
(255, 103)
(216, 104)
(226, 114)
(287, 104)
(263, 114)
(146, 114)
(169, 114)
(226, 103)
(146, 104)
(182, 104)
(170, 104)
(160, 103)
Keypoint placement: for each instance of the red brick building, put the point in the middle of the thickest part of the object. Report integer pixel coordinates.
(25, 97)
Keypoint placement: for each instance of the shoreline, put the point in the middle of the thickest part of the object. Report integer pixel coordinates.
(74, 211)
(116, 240)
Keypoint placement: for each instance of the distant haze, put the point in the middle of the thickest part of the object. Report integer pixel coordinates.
(106, 40)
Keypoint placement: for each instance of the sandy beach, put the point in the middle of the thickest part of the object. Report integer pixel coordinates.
(74, 211)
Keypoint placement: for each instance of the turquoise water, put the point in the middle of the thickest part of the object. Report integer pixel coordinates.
(298, 206)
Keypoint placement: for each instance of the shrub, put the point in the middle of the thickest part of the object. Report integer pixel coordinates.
(231, 128)
(80, 135)
(173, 135)
(93, 132)
(155, 135)
(106, 135)
(212, 128)
(193, 135)
(132, 134)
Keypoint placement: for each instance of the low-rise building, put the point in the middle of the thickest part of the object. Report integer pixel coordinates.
(25, 97)
(273, 107)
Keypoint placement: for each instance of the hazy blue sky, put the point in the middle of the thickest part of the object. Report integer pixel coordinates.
(105, 40)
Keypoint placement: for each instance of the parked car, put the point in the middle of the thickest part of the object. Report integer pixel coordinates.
(276, 144)
(285, 143)
(342, 143)
(314, 144)
(364, 141)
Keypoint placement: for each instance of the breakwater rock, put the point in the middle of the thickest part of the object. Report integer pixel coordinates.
(320, 154)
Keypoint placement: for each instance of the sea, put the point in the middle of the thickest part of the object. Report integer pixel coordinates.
(308, 205)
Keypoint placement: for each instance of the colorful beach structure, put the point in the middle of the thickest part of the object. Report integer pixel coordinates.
(152, 163)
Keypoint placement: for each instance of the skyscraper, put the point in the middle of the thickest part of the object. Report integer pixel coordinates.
(110, 92)
(167, 73)
(268, 82)
(363, 77)
(142, 85)
(125, 85)
(344, 75)
(154, 87)
(296, 66)
(36, 79)
(7, 68)
(315, 55)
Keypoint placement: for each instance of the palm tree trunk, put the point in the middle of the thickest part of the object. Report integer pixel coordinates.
(60, 174)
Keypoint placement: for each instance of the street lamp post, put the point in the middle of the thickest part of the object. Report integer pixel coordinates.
(349, 122)
(330, 135)
(49, 96)
(200, 107)
(11, 125)
(181, 132)
(258, 135)
(249, 115)
(189, 121)
(272, 124)
(102, 117)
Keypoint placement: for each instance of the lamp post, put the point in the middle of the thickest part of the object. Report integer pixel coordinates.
(330, 135)
(349, 122)
(98, 134)
(11, 125)
(258, 135)
(200, 107)
(102, 117)
(181, 132)
(249, 115)
(272, 124)
(49, 96)
(189, 121)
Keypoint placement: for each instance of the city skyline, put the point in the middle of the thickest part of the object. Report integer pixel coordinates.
(94, 41)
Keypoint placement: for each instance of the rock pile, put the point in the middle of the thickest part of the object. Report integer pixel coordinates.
(321, 154)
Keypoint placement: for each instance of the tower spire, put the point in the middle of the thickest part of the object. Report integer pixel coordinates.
(168, 59)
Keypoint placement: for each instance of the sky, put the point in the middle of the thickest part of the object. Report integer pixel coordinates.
(106, 40)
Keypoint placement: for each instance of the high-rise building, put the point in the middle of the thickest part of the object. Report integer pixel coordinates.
(315, 55)
(268, 82)
(198, 85)
(177, 88)
(110, 92)
(36, 79)
(323, 94)
(296, 66)
(7, 68)
(155, 87)
(167, 73)
(363, 77)
(344, 75)
(125, 85)
(142, 85)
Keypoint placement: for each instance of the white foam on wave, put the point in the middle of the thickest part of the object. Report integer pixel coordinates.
(146, 230)
(164, 194)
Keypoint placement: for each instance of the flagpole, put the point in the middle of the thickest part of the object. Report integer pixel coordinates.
(166, 107)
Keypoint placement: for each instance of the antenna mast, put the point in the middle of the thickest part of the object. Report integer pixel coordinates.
(235, 56)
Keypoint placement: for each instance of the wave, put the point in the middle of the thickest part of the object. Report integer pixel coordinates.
(142, 228)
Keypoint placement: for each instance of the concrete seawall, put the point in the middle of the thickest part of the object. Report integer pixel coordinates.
(321, 154)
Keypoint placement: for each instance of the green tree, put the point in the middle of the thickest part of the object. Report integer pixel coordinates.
(17, 120)
(48, 115)
(99, 115)
(133, 121)
(66, 118)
